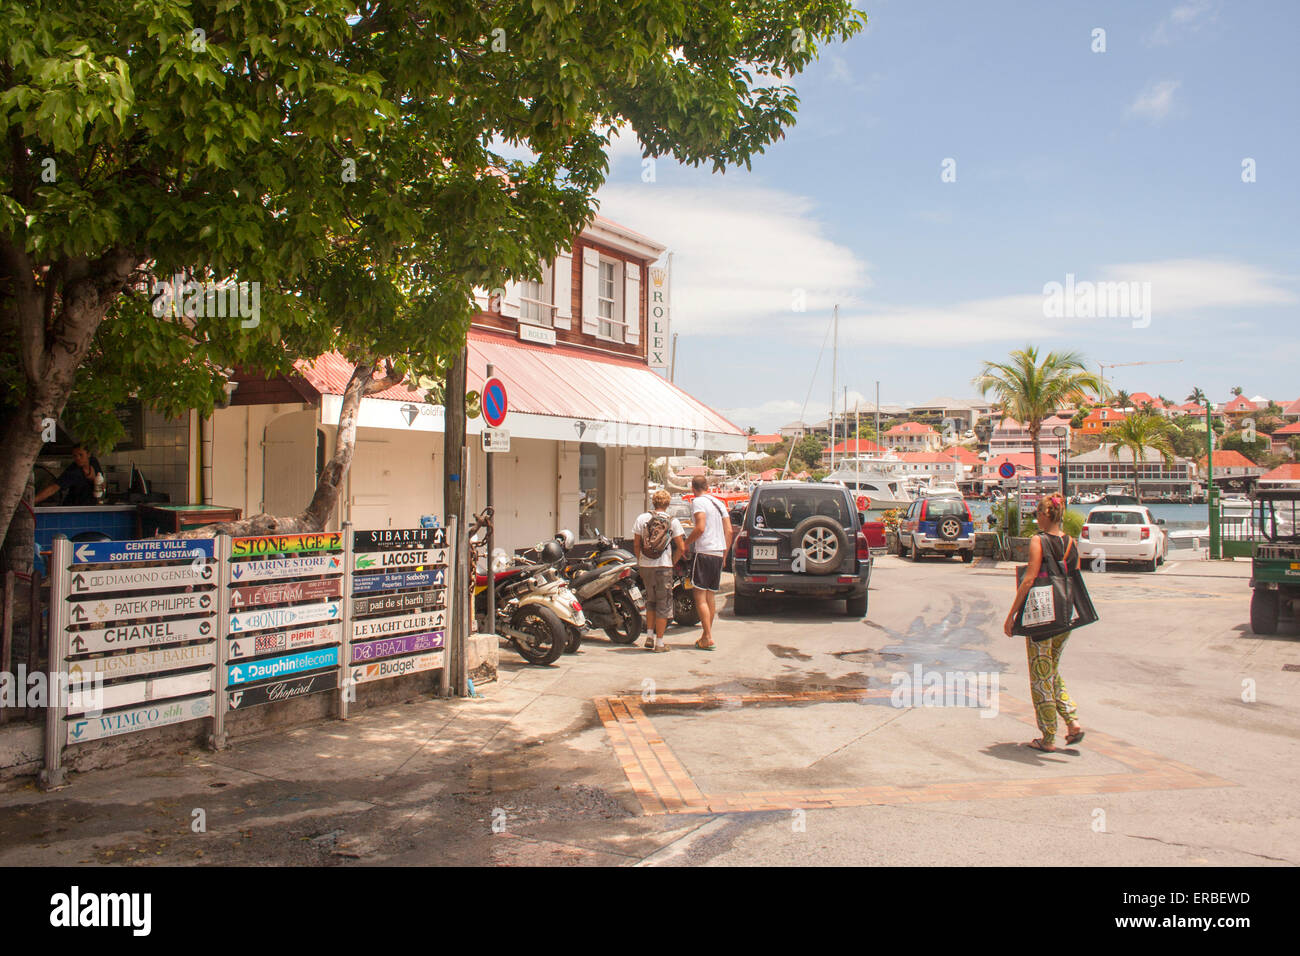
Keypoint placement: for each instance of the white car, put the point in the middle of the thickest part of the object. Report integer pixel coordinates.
(1125, 533)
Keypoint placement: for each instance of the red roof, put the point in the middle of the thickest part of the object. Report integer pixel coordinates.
(1292, 429)
(1287, 472)
(1228, 458)
(911, 428)
(764, 439)
(1023, 460)
(329, 375)
(857, 446)
(1292, 409)
(770, 475)
(1240, 404)
(963, 455)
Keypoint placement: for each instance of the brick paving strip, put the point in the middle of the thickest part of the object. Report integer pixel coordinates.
(663, 785)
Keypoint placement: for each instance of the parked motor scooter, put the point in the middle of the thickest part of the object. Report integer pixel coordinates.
(535, 609)
(684, 610)
(608, 586)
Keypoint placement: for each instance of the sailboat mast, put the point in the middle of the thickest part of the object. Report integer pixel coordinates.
(835, 361)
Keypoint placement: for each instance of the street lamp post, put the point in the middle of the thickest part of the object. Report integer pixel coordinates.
(1061, 432)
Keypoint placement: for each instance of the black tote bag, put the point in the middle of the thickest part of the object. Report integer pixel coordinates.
(1049, 607)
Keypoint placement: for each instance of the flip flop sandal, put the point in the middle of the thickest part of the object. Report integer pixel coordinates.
(1038, 745)
(704, 647)
(1073, 738)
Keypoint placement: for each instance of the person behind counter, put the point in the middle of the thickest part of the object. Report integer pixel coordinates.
(77, 481)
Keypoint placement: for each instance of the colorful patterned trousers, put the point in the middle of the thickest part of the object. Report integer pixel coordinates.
(1046, 687)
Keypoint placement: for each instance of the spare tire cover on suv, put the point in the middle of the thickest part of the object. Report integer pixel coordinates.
(949, 527)
(824, 543)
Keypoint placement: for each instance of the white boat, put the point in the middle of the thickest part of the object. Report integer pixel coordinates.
(880, 479)
(942, 489)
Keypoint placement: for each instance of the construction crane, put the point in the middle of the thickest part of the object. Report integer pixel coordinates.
(1102, 366)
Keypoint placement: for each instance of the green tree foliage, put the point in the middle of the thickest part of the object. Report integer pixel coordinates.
(348, 157)
(1131, 437)
(809, 451)
(1029, 389)
(1256, 448)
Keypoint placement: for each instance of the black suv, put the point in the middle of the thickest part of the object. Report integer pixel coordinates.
(802, 538)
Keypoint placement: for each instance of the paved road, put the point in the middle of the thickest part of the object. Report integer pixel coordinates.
(792, 743)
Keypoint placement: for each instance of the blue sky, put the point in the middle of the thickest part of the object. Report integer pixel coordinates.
(1123, 165)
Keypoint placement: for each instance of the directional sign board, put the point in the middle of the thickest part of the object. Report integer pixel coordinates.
(284, 617)
(379, 670)
(285, 567)
(99, 610)
(388, 538)
(398, 601)
(285, 544)
(406, 558)
(494, 402)
(138, 579)
(365, 583)
(277, 691)
(80, 729)
(144, 662)
(151, 688)
(384, 626)
(164, 549)
(99, 639)
(287, 592)
(275, 642)
(248, 672)
(393, 646)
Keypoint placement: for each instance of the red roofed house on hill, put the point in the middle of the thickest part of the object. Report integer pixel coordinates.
(1230, 464)
(1283, 476)
(1280, 443)
(851, 448)
(913, 436)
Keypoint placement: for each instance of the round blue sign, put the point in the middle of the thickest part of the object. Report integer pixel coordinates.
(1007, 470)
(494, 402)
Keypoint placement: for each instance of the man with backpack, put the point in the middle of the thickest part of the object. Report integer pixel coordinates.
(659, 542)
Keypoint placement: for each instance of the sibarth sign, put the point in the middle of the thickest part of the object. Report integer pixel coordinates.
(387, 539)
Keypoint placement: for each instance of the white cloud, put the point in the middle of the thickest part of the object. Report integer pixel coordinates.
(1185, 17)
(1155, 101)
(741, 254)
(768, 416)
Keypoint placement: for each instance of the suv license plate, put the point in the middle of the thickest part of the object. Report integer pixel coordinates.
(764, 552)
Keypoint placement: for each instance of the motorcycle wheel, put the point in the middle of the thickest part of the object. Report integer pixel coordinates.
(575, 639)
(547, 631)
(684, 610)
(629, 627)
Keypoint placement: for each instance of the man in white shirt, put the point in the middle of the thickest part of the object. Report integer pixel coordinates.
(710, 538)
(658, 541)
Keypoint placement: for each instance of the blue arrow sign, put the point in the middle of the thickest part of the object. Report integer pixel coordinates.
(111, 552)
(363, 584)
(282, 666)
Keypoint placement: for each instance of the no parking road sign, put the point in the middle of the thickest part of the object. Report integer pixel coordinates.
(1007, 470)
(494, 402)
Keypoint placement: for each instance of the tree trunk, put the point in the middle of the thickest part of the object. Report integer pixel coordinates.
(324, 501)
(1038, 448)
(1137, 482)
(50, 354)
(19, 550)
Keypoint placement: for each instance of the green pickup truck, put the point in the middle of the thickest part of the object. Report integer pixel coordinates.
(1275, 560)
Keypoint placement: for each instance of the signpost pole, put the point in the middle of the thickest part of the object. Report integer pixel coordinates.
(1211, 493)
(490, 619)
(218, 740)
(52, 776)
(347, 689)
(455, 501)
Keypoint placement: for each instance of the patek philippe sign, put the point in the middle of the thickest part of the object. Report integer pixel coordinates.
(657, 348)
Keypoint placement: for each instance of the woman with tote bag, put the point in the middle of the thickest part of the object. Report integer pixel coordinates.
(1044, 610)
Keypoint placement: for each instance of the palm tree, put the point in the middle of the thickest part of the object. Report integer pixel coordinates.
(1197, 396)
(1123, 399)
(1029, 390)
(1136, 434)
(1237, 390)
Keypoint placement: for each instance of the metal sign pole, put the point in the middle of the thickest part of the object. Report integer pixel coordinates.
(490, 620)
(347, 689)
(56, 707)
(218, 740)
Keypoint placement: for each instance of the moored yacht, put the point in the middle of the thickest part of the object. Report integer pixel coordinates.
(880, 479)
